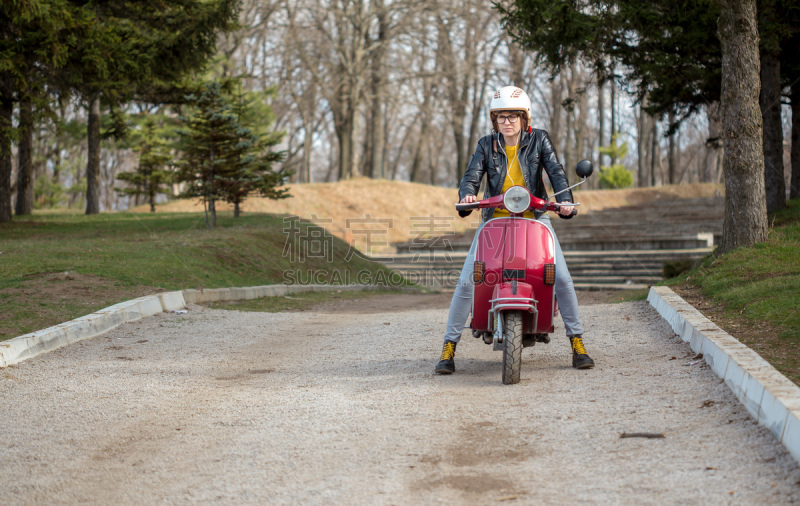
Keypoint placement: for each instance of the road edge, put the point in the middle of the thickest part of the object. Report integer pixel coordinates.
(27, 346)
(770, 397)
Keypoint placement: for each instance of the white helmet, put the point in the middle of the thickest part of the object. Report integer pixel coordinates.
(510, 98)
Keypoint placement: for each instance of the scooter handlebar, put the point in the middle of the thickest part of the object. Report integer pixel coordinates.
(465, 208)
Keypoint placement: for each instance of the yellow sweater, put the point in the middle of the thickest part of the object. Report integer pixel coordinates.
(513, 178)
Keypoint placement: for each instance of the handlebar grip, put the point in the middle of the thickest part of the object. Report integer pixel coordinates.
(574, 212)
(467, 206)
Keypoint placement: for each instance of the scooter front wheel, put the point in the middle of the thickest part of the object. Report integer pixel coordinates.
(512, 347)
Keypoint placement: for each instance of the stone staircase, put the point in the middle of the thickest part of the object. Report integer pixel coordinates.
(621, 248)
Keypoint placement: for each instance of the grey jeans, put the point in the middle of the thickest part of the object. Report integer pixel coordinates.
(461, 304)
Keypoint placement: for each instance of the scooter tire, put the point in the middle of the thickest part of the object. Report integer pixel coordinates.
(512, 347)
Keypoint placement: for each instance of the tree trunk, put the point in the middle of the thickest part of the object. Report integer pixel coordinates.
(212, 213)
(569, 140)
(354, 154)
(641, 146)
(458, 133)
(24, 204)
(377, 167)
(671, 165)
(344, 111)
(745, 201)
(402, 147)
(305, 170)
(770, 102)
(556, 97)
(433, 147)
(6, 112)
(581, 124)
(211, 195)
(62, 107)
(794, 192)
(93, 163)
(601, 108)
(415, 174)
(344, 131)
(236, 209)
(613, 116)
(655, 153)
(713, 144)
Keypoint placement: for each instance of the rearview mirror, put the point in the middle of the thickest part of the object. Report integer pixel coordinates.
(584, 168)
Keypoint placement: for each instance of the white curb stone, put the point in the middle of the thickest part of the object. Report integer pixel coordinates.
(171, 301)
(30, 345)
(769, 396)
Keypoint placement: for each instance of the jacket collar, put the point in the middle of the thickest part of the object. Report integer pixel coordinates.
(524, 140)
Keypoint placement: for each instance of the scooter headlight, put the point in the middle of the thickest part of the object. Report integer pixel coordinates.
(517, 200)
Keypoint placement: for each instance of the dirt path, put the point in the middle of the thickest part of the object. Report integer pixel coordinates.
(336, 406)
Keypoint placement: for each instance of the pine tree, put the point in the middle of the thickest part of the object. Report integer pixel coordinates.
(152, 176)
(252, 164)
(223, 159)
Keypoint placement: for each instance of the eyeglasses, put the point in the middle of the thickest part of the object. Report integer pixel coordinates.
(511, 119)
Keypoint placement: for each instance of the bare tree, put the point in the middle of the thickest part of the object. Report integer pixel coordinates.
(468, 40)
(336, 45)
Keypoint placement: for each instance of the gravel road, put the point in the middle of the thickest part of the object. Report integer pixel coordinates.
(339, 407)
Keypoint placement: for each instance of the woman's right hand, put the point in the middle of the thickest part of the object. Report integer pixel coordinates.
(469, 199)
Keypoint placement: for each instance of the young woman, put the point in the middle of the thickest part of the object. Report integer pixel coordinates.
(515, 154)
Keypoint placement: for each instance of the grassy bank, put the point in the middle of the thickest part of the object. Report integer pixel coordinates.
(55, 267)
(754, 293)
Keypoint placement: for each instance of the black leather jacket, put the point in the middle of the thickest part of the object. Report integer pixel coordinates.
(536, 152)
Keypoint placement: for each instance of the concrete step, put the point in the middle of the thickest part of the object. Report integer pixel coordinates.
(449, 278)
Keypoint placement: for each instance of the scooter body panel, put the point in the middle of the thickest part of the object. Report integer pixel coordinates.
(514, 252)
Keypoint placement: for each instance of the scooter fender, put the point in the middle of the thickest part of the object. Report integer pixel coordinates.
(513, 296)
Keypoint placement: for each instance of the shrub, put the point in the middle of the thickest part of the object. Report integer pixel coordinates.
(616, 176)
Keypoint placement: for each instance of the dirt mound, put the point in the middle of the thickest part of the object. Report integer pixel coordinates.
(373, 213)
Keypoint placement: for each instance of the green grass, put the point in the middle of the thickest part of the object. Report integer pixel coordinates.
(164, 251)
(761, 283)
(630, 295)
(294, 302)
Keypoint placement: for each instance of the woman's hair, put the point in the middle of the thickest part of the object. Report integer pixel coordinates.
(523, 117)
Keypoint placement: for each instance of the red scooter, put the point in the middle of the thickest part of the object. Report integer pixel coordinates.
(515, 272)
